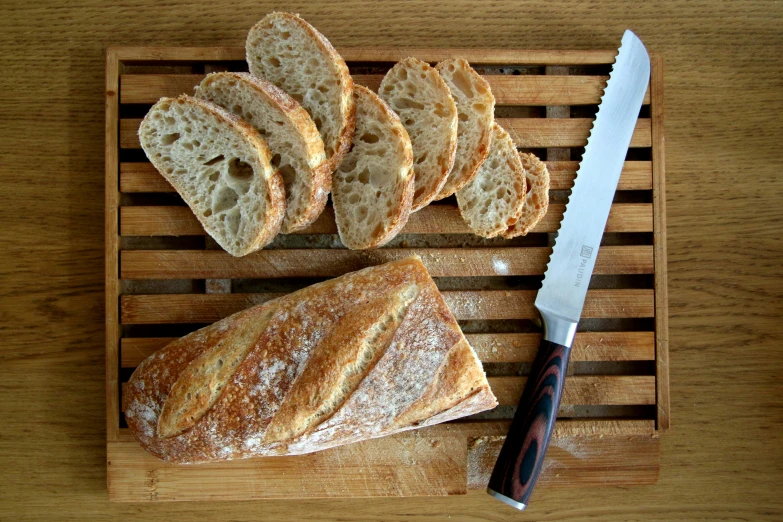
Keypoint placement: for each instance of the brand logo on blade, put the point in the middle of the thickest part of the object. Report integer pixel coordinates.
(585, 254)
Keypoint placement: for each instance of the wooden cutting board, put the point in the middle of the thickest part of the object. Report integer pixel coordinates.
(165, 278)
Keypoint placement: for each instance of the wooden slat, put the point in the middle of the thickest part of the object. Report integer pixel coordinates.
(112, 245)
(441, 262)
(465, 305)
(386, 467)
(142, 177)
(588, 346)
(577, 461)
(526, 132)
(659, 238)
(507, 89)
(572, 132)
(512, 347)
(585, 389)
(636, 175)
(433, 219)
(486, 56)
(564, 429)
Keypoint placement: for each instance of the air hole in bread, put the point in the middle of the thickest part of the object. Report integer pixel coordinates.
(239, 170)
(208, 212)
(369, 137)
(285, 35)
(353, 199)
(403, 74)
(168, 139)
(406, 103)
(225, 199)
(187, 146)
(480, 107)
(463, 117)
(275, 161)
(289, 175)
(361, 213)
(214, 160)
(364, 176)
(462, 82)
(274, 62)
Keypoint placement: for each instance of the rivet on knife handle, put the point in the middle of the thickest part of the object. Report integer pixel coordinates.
(563, 291)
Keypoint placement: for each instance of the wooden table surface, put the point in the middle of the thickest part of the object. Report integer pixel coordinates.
(722, 459)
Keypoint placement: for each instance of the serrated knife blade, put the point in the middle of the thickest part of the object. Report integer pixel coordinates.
(568, 273)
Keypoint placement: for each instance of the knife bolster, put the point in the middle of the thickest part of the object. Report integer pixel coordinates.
(558, 329)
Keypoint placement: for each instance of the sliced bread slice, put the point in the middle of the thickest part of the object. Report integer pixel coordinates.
(297, 148)
(372, 189)
(220, 166)
(287, 51)
(421, 98)
(476, 108)
(537, 198)
(494, 199)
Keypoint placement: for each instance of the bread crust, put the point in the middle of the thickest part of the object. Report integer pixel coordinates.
(514, 175)
(275, 193)
(536, 199)
(425, 372)
(399, 218)
(300, 120)
(457, 180)
(435, 82)
(348, 110)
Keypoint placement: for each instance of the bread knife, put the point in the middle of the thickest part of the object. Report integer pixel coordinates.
(562, 294)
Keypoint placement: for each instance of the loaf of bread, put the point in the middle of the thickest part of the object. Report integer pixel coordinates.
(287, 51)
(220, 166)
(360, 356)
(296, 147)
(493, 200)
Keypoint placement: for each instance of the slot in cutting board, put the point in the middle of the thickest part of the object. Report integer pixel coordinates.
(165, 278)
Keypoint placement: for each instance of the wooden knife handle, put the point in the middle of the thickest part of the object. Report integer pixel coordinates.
(519, 463)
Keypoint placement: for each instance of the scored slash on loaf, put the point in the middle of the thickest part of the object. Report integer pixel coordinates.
(361, 356)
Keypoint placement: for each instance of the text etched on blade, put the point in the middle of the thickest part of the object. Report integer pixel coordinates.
(585, 254)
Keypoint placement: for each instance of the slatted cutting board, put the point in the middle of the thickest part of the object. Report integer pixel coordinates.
(165, 278)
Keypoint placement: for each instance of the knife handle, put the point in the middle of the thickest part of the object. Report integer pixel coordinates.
(519, 463)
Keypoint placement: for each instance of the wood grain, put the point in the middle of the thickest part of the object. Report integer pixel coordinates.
(373, 464)
(659, 232)
(721, 460)
(636, 175)
(526, 132)
(507, 89)
(443, 262)
(465, 305)
(505, 348)
(141, 220)
(112, 226)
